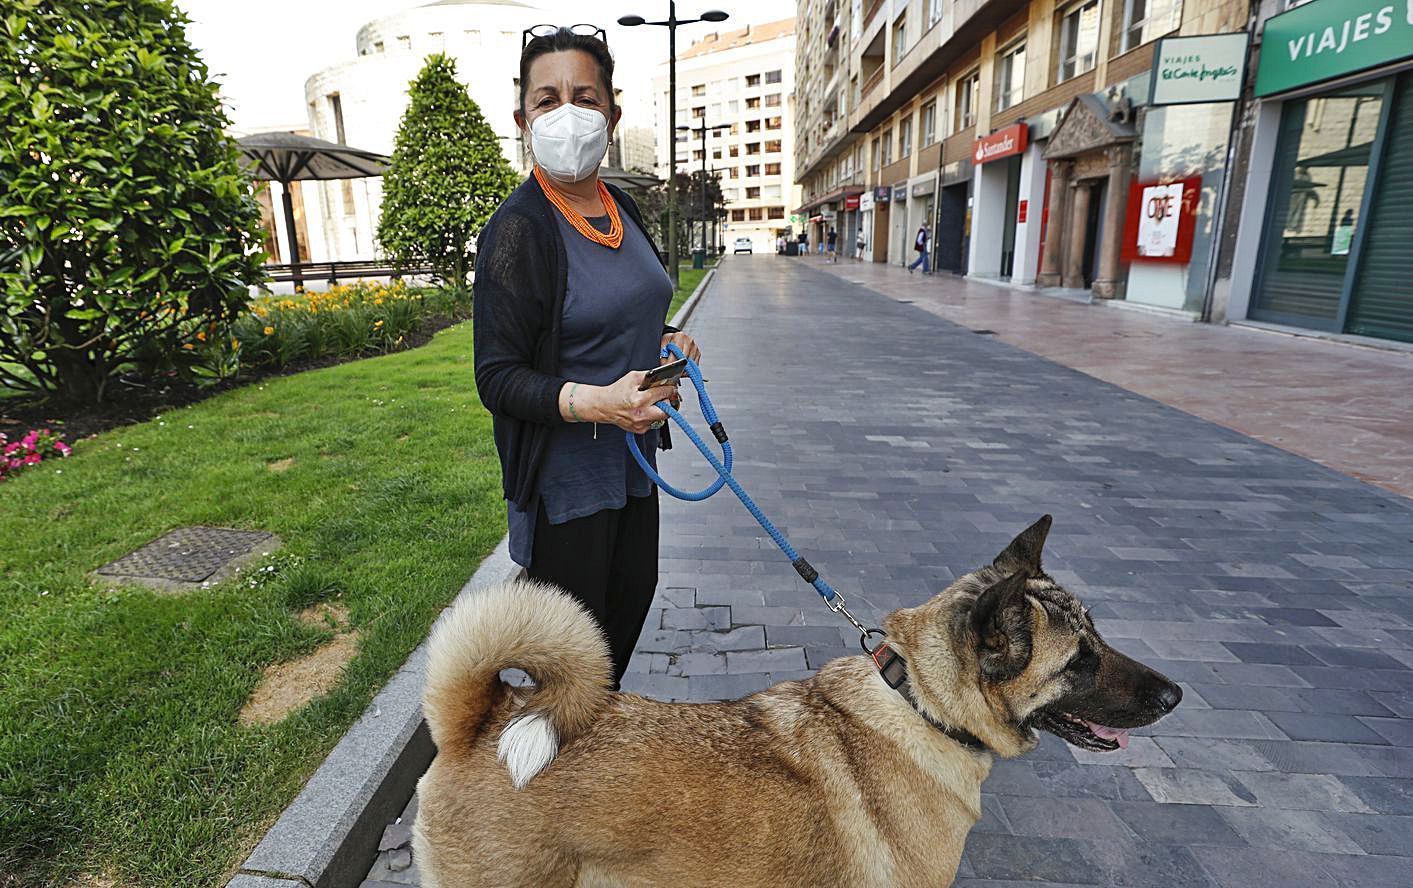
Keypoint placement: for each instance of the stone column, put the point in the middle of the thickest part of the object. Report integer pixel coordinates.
(1109, 278)
(1076, 244)
(1050, 261)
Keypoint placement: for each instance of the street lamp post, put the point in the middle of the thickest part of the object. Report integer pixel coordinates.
(699, 261)
(631, 21)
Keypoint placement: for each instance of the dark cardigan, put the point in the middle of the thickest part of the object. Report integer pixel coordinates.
(521, 276)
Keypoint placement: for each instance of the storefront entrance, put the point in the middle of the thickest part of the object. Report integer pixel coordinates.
(1008, 231)
(1335, 250)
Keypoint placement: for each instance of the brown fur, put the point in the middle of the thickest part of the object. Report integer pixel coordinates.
(831, 781)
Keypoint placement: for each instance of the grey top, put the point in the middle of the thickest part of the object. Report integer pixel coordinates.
(614, 307)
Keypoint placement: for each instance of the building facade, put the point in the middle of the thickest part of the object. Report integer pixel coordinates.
(361, 102)
(988, 121)
(741, 81)
(1324, 220)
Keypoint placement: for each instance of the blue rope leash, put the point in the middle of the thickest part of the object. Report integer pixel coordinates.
(832, 598)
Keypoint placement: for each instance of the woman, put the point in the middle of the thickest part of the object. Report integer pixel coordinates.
(570, 298)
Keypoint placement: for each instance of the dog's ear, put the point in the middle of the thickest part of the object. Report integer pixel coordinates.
(1023, 553)
(1001, 620)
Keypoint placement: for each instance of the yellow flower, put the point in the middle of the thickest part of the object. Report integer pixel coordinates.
(201, 335)
(377, 324)
(188, 345)
(235, 343)
(269, 330)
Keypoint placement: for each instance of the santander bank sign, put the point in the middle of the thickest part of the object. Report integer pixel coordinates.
(1002, 143)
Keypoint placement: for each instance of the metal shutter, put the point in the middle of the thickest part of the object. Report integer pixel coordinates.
(1383, 291)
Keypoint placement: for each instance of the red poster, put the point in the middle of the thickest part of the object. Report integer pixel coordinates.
(1162, 216)
(1020, 213)
(851, 203)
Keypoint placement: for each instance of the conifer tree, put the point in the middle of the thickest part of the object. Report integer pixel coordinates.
(447, 177)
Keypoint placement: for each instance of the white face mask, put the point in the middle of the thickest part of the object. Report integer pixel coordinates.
(569, 142)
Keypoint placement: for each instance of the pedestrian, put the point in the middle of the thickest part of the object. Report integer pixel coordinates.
(570, 298)
(780, 244)
(833, 242)
(920, 244)
(859, 245)
(804, 244)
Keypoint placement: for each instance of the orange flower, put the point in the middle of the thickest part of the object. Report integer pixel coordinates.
(188, 345)
(201, 335)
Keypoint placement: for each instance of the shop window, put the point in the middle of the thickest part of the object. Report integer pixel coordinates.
(1079, 40)
(968, 92)
(1010, 75)
(773, 76)
(772, 100)
(929, 124)
(1146, 20)
(905, 137)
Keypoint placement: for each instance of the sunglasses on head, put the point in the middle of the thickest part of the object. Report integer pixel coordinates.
(580, 30)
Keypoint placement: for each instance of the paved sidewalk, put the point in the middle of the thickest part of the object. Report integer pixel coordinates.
(1345, 406)
(899, 450)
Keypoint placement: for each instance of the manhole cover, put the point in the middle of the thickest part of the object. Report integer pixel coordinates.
(190, 555)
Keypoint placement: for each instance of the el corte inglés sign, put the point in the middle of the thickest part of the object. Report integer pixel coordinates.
(1328, 38)
(1208, 68)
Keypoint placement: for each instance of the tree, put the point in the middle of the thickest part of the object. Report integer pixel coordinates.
(447, 176)
(128, 231)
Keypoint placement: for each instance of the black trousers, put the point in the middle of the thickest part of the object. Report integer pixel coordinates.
(608, 561)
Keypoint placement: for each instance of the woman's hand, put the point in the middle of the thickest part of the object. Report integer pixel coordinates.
(619, 404)
(684, 342)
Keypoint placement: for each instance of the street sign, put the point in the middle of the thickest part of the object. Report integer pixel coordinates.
(1002, 143)
(1327, 38)
(1189, 70)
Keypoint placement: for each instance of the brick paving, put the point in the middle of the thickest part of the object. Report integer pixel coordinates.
(1344, 406)
(899, 450)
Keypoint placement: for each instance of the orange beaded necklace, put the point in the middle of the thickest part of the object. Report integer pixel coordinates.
(613, 239)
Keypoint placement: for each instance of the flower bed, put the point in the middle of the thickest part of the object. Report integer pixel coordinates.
(35, 447)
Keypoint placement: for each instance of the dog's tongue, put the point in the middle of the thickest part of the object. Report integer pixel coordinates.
(1118, 735)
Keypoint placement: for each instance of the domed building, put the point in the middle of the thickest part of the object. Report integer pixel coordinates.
(360, 102)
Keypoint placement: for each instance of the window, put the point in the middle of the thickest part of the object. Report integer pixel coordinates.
(1079, 40)
(715, 108)
(929, 124)
(887, 147)
(437, 39)
(775, 212)
(967, 94)
(905, 137)
(772, 146)
(734, 150)
(873, 154)
(753, 192)
(698, 155)
(336, 109)
(752, 80)
(473, 38)
(755, 214)
(772, 76)
(934, 12)
(699, 113)
(770, 192)
(404, 42)
(733, 107)
(900, 39)
(753, 102)
(752, 147)
(699, 89)
(716, 154)
(753, 169)
(772, 100)
(772, 169)
(738, 215)
(1010, 75)
(1146, 20)
(753, 126)
(773, 123)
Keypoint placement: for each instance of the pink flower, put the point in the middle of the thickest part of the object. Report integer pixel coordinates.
(30, 440)
(32, 460)
(63, 448)
(12, 449)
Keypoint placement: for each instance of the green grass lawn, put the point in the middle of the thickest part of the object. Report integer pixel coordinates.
(687, 280)
(120, 754)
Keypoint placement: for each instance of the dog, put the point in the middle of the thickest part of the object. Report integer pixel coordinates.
(838, 780)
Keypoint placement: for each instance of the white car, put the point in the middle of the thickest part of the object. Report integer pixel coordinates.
(743, 245)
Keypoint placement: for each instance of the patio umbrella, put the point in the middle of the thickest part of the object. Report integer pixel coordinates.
(286, 157)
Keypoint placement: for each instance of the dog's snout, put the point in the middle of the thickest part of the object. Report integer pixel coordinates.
(1169, 697)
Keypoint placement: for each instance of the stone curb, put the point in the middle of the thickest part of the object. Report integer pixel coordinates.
(679, 320)
(328, 836)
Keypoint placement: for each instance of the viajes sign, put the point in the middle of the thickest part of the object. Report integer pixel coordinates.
(1328, 38)
(1002, 143)
(1198, 69)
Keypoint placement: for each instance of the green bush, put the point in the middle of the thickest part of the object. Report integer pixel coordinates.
(126, 223)
(447, 177)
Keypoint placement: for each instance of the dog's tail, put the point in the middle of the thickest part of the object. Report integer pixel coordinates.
(520, 625)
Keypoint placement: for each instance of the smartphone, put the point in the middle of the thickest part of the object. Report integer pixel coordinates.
(663, 375)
